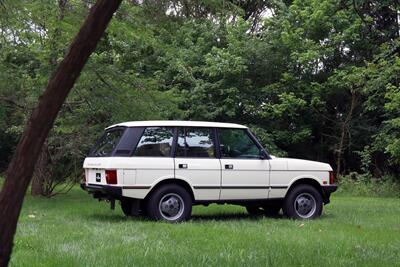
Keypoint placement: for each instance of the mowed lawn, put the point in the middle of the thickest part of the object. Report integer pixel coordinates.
(76, 230)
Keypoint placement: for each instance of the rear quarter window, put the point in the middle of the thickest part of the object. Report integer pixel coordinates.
(107, 143)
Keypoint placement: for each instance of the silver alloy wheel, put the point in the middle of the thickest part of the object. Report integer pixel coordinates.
(171, 206)
(305, 205)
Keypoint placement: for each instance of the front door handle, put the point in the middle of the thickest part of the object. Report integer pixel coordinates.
(182, 166)
(229, 166)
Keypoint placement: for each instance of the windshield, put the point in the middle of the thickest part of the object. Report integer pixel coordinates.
(107, 143)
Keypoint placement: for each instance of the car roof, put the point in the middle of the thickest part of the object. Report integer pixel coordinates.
(178, 123)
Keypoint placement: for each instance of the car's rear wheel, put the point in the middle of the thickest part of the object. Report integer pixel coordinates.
(126, 206)
(171, 203)
(303, 202)
(254, 210)
(128, 210)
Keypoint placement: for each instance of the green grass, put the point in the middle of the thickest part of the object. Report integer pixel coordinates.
(76, 230)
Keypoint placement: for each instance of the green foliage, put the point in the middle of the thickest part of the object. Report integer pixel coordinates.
(383, 103)
(315, 79)
(113, 87)
(392, 108)
(365, 185)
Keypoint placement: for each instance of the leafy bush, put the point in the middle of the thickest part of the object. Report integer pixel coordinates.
(365, 185)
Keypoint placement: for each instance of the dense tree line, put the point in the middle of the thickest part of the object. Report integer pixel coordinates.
(313, 79)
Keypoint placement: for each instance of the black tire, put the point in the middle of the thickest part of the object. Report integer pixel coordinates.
(173, 198)
(303, 208)
(254, 210)
(272, 210)
(126, 206)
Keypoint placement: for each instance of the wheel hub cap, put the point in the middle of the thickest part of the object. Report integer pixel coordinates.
(305, 205)
(171, 206)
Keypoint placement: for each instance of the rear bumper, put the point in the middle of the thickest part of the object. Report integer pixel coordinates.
(327, 190)
(103, 191)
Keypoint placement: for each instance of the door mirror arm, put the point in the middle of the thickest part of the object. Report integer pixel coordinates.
(263, 154)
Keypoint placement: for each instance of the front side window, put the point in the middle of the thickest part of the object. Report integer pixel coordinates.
(236, 143)
(195, 143)
(107, 143)
(155, 142)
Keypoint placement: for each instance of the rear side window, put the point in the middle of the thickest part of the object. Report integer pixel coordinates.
(236, 143)
(195, 142)
(107, 143)
(155, 142)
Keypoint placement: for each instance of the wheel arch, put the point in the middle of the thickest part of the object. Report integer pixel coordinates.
(175, 181)
(308, 181)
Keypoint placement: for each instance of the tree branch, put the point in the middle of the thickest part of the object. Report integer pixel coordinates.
(12, 102)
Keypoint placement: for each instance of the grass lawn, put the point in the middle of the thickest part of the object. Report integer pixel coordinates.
(76, 230)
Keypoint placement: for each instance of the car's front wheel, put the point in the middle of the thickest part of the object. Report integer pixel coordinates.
(171, 203)
(303, 202)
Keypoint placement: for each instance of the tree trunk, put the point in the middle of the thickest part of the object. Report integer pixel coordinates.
(36, 187)
(19, 172)
(345, 130)
(37, 177)
(40, 172)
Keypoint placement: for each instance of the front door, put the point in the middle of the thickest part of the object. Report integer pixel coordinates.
(244, 174)
(196, 162)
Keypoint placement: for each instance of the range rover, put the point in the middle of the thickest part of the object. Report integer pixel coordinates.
(162, 168)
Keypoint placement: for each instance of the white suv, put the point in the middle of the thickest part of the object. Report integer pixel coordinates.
(162, 168)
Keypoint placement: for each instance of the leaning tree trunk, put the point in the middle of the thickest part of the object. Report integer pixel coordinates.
(19, 172)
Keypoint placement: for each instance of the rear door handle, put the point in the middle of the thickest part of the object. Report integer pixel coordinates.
(182, 166)
(229, 166)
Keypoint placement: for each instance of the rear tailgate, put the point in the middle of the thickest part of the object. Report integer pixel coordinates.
(95, 170)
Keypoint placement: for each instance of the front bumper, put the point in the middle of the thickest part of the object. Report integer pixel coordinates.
(327, 190)
(103, 191)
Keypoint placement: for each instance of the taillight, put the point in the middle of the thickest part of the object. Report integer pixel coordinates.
(111, 176)
(331, 177)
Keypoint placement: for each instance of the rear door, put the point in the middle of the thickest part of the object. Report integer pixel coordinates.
(244, 174)
(196, 161)
(99, 158)
(152, 159)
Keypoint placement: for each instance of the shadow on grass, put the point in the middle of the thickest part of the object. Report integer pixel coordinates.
(231, 217)
(195, 218)
(114, 218)
(326, 216)
(248, 217)
(106, 217)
